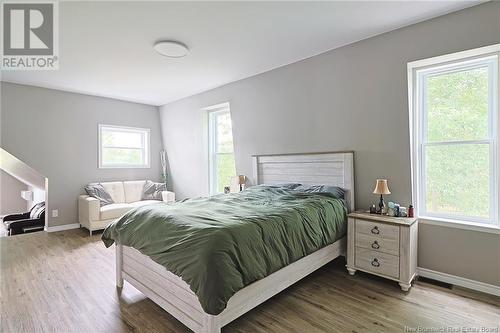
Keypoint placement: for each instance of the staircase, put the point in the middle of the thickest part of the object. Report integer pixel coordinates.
(36, 182)
(21, 171)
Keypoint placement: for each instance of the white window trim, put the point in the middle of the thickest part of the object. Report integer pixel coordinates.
(125, 166)
(212, 140)
(415, 123)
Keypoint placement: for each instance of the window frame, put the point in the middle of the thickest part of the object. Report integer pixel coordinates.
(146, 149)
(212, 113)
(417, 72)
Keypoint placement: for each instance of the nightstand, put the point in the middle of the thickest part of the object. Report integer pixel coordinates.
(383, 245)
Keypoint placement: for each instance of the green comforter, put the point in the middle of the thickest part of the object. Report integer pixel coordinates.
(219, 245)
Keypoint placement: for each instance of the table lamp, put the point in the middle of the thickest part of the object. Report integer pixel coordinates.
(242, 180)
(381, 188)
(238, 183)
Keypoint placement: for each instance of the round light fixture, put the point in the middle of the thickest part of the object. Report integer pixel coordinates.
(171, 49)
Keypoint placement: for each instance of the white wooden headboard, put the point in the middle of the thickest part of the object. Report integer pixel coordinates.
(331, 168)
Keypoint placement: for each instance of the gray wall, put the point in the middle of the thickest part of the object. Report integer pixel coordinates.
(10, 195)
(351, 98)
(55, 132)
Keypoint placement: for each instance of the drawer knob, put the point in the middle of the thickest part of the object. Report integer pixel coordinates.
(375, 230)
(375, 245)
(375, 263)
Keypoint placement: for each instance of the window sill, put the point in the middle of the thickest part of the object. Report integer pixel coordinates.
(473, 226)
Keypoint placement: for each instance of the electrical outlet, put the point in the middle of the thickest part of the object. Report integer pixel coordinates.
(55, 213)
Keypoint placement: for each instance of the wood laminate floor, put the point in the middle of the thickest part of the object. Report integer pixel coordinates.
(64, 282)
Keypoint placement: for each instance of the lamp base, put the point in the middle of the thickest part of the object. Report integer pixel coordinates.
(381, 206)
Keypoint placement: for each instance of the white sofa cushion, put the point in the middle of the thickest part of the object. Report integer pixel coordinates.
(114, 211)
(168, 196)
(142, 203)
(115, 189)
(133, 190)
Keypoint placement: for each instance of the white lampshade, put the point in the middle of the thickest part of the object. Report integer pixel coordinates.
(381, 187)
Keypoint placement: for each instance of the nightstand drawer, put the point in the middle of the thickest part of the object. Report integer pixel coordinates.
(382, 230)
(377, 262)
(378, 244)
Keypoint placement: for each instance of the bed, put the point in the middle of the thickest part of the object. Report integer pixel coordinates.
(177, 297)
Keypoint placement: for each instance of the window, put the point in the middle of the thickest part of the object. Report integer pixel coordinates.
(123, 147)
(454, 132)
(221, 150)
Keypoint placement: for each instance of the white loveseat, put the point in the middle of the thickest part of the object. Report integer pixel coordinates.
(126, 196)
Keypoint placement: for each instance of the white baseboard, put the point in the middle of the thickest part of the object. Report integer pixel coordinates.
(63, 227)
(459, 281)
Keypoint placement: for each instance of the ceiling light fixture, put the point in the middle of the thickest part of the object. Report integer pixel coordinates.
(171, 49)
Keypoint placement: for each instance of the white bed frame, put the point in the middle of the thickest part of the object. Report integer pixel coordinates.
(174, 295)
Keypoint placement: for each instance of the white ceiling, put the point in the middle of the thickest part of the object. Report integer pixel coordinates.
(106, 47)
